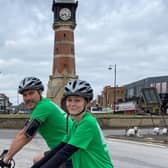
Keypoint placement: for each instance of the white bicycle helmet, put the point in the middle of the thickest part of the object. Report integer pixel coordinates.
(78, 88)
(30, 83)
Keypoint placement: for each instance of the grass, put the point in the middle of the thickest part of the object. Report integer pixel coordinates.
(110, 115)
(99, 115)
(14, 116)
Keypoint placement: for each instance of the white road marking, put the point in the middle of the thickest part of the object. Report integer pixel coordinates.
(111, 140)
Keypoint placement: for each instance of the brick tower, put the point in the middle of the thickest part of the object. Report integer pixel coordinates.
(64, 50)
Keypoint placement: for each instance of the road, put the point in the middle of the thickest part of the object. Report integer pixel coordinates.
(128, 154)
(124, 153)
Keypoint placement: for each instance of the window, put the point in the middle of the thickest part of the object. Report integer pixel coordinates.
(164, 86)
(150, 96)
(158, 87)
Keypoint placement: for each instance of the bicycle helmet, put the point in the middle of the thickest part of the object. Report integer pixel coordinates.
(78, 88)
(30, 83)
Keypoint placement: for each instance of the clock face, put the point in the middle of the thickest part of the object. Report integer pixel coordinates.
(65, 14)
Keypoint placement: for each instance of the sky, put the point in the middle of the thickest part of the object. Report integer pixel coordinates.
(129, 33)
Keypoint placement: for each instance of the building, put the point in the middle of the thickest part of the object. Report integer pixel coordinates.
(64, 48)
(5, 104)
(111, 96)
(134, 89)
(146, 95)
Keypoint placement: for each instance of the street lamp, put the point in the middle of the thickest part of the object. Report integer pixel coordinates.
(110, 68)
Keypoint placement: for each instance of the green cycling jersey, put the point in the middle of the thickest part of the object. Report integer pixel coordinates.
(88, 137)
(53, 118)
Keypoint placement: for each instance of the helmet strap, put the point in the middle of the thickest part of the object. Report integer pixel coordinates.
(78, 113)
(40, 93)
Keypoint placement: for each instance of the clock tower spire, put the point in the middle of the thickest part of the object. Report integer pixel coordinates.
(64, 50)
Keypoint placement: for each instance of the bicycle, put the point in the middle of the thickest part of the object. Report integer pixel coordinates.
(11, 163)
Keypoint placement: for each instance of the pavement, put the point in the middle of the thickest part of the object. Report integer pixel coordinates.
(155, 139)
(145, 135)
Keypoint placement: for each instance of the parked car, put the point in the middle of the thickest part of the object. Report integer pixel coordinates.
(95, 109)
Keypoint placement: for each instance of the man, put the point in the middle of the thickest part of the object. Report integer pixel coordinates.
(46, 118)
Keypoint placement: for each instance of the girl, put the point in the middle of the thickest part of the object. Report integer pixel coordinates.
(85, 142)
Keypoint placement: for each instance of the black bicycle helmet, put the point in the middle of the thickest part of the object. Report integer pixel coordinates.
(78, 88)
(30, 83)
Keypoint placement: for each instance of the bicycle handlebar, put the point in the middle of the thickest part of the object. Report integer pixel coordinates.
(11, 162)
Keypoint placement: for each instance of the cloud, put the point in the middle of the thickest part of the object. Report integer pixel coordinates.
(131, 34)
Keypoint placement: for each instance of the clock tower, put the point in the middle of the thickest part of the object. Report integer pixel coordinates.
(64, 50)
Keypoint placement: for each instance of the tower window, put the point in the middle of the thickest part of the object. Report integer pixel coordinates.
(64, 35)
(72, 50)
(57, 50)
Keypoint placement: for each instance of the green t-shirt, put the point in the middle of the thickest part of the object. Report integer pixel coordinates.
(53, 127)
(87, 136)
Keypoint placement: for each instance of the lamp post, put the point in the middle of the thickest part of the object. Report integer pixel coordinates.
(114, 95)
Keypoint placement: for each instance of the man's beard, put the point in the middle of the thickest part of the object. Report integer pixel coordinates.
(30, 101)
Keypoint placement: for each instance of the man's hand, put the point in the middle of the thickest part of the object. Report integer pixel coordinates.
(4, 152)
(4, 165)
(10, 164)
